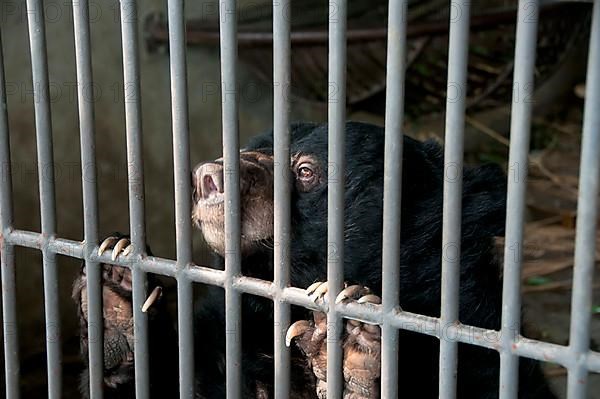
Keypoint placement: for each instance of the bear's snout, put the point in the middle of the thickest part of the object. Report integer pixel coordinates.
(256, 200)
(207, 181)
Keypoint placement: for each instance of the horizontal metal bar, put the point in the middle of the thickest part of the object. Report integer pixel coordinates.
(59, 246)
(413, 322)
(408, 321)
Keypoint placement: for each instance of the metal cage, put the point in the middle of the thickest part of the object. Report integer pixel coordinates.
(577, 357)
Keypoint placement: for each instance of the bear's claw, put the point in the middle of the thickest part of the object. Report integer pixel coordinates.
(317, 291)
(297, 329)
(352, 292)
(154, 295)
(122, 245)
(361, 345)
(117, 314)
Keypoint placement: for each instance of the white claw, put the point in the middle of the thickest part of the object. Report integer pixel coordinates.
(349, 292)
(128, 249)
(320, 291)
(105, 244)
(370, 299)
(119, 247)
(296, 329)
(154, 295)
(311, 288)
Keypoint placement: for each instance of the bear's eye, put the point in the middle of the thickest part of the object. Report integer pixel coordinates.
(305, 172)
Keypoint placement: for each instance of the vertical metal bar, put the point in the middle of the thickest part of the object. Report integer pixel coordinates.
(527, 19)
(335, 195)
(135, 177)
(45, 158)
(458, 52)
(392, 188)
(9, 305)
(587, 216)
(81, 29)
(231, 145)
(181, 159)
(282, 216)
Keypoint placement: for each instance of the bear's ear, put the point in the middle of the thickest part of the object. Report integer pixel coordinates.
(262, 142)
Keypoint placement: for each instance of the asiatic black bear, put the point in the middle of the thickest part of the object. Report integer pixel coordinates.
(483, 218)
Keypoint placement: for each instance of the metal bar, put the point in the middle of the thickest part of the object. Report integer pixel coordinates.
(453, 178)
(587, 216)
(32, 240)
(135, 178)
(282, 189)
(7, 254)
(9, 318)
(408, 321)
(335, 193)
(231, 146)
(392, 190)
(81, 30)
(527, 20)
(181, 159)
(45, 158)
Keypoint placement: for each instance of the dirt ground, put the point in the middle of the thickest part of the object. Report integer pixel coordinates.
(548, 267)
(550, 236)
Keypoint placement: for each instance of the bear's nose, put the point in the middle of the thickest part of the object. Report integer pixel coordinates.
(208, 180)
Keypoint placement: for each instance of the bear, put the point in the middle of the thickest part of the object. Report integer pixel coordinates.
(423, 173)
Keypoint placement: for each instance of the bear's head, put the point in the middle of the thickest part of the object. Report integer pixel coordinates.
(309, 173)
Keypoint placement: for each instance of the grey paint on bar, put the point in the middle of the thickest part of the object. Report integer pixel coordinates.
(335, 192)
(394, 118)
(231, 160)
(135, 180)
(7, 252)
(458, 53)
(81, 31)
(527, 21)
(282, 190)
(181, 159)
(45, 161)
(587, 216)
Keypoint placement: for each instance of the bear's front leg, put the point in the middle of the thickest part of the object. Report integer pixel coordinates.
(361, 344)
(118, 327)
